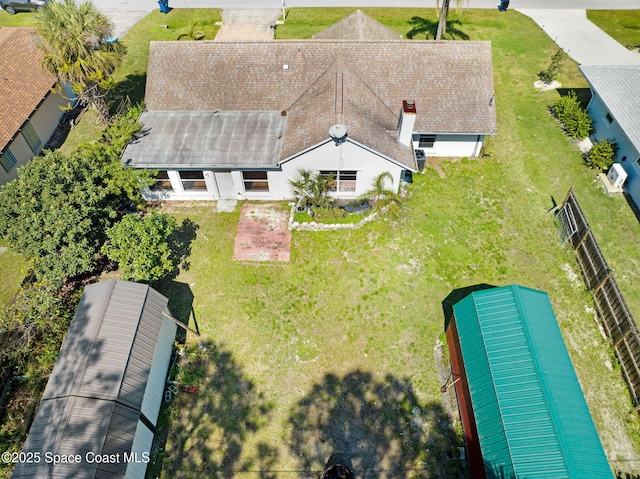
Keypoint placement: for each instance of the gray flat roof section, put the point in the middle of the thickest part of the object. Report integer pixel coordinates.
(197, 139)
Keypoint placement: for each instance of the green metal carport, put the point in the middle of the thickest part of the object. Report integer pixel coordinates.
(522, 408)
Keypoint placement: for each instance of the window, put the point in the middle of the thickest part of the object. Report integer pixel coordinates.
(192, 180)
(7, 160)
(426, 141)
(162, 182)
(31, 137)
(343, 181)
(255, 181)
(609, 118)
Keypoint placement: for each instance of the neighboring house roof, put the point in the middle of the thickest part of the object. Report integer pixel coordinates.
(316, 84)
(23, 81)
(93, 398)
(358, 26)
(531, 415)
(619, 88)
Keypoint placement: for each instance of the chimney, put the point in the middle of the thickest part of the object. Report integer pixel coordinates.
(407, 121)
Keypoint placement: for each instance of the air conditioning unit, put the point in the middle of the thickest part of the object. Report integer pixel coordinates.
(420, 158)
(617, 175)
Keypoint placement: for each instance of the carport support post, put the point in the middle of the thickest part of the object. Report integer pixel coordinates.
(181, 324)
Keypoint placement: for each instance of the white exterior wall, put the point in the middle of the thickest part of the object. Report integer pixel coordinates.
(605, 130)
(452, 145)
(179, 193)
(347, 156)
(46, 118)
(142, 443)
(44, 122)
(158, 374)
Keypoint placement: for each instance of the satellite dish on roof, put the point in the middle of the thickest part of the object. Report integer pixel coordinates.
(338, 133)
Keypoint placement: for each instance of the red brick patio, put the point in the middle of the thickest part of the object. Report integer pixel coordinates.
(263, 233)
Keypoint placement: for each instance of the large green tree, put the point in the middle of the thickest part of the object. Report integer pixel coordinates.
(57, 211)
(73, 39)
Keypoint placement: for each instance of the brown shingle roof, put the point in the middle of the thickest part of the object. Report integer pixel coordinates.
(323, 82)
(358, 26)
(23, 82)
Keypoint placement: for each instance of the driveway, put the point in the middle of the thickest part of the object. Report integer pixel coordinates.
(581, 39)
(241, 25)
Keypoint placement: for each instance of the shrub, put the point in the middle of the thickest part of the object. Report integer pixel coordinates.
(140, 246)
(575, 119)
(602, 154)
(548, 75)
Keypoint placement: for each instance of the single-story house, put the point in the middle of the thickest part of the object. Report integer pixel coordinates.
(522, 409)
(358, 26)
(615, 109)
(239, 119)
(100, 407)
(29, 111)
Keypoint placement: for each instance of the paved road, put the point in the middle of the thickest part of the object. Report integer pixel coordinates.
(148, 5)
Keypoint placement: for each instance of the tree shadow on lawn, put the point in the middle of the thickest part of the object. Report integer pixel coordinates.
(379, 424)
(180, 245)
(429, 28)
(132, 87)
(208, 426)
(582, 94)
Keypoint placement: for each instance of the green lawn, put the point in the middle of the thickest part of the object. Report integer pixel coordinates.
(22, 19)
(623, 25)
(12, 273)
(336, 348)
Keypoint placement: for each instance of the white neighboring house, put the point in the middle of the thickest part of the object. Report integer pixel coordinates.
(238, 119)
(615, 109)
(29, 111)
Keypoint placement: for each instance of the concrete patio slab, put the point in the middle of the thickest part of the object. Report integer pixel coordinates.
(226, 205)
(263, 233)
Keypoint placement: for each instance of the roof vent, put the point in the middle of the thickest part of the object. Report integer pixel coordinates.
(338, 133)
(285, 67)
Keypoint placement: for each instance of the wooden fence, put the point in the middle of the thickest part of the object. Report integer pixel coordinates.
(612, 309)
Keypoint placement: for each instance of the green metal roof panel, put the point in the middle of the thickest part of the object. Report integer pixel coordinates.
(530, 412)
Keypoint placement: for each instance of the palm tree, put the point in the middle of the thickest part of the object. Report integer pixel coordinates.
(73, 38)
(382, 195)
(444, 14)
(311, 189)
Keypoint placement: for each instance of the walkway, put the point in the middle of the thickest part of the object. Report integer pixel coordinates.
(240, 25)
(580, 39)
